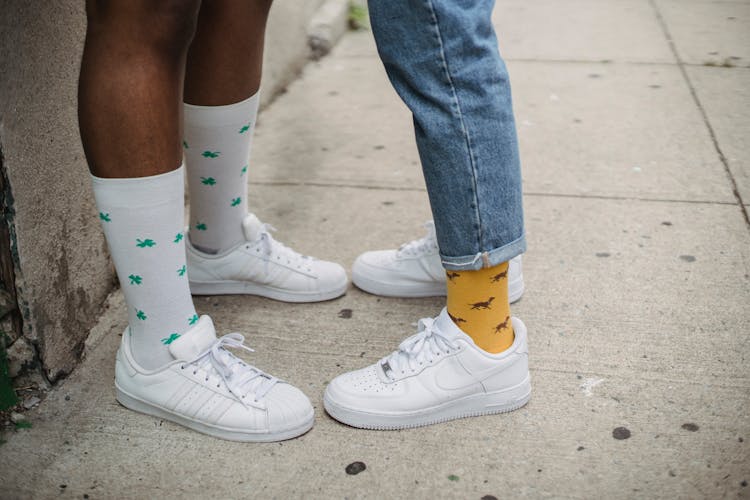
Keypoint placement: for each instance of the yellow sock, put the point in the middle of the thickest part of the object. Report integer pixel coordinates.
(478, 304)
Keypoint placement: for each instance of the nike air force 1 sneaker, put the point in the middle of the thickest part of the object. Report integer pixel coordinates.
(210, 390)
(263, 266)
(436, 375)
(415, 270)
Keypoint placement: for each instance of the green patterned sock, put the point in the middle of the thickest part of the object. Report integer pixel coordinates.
(217, 152)
(142, 220)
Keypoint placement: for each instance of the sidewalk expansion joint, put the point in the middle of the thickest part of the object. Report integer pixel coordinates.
(336, 185)
(628, 198)
(525, 193)
(704, 115)
(612, 62)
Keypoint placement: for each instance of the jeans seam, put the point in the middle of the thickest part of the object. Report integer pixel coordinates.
(467, 136)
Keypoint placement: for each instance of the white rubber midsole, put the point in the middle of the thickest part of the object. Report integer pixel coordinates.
(503, 401)
(422, 289)
(228, 287)
(406, 290)
(134, 403)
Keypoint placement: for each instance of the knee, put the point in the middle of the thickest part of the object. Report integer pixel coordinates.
(166, 25)
(175, 21)
(394, 27)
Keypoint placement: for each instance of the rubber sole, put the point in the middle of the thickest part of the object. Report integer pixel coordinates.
(136, 404)
(409, 291)
(249, 288)
(417, 290)
(475, 405)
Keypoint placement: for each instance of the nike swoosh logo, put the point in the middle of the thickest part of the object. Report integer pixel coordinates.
(459, 378)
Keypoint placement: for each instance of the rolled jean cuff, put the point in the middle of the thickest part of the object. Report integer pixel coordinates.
(485, 259)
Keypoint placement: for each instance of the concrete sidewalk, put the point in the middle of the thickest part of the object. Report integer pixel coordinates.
(633, 119)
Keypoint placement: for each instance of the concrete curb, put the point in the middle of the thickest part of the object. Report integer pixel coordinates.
(327, 26)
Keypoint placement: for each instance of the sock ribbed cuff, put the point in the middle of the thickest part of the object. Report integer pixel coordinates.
(143, 222)
(238, 113)
(152, 190)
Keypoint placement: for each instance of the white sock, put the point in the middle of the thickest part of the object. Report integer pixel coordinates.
(217, 152)
(143, 221)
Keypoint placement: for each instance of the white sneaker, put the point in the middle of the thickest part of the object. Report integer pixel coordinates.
(415, 270)
(264, 266)
(210, 390)
(436, 375)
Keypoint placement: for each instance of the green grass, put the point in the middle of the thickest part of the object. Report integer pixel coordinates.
(8, 397)
(357, 17)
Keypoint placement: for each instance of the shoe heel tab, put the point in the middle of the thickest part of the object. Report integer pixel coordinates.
(124, 358)
(520, 332)
(122, 364)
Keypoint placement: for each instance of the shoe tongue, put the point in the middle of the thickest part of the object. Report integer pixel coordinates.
(194, 341)
(252, 227)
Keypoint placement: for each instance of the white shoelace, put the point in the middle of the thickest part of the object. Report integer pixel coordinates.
(421, 246)
(423, 347)
(272, 247)
(236, 374)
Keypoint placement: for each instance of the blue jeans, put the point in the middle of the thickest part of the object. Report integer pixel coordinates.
(443, 60)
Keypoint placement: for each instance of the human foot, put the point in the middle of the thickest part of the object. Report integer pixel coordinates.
(415, 270)
(263, 266)
(436, 375)
(208, 389)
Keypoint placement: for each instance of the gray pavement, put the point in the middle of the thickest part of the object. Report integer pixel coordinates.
(633, 121)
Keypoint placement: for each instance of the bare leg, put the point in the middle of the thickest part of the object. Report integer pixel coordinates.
(221, 91)
(226, 58)
(130, 90)
(131, 114)
(130, 105)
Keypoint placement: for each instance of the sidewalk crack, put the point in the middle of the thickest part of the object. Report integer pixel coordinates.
(704, 115)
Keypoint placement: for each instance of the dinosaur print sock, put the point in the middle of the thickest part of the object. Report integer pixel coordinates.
(478, 305)
(217, 151)
(143, 222)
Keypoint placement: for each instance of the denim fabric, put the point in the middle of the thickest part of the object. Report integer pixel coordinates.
(443, 60)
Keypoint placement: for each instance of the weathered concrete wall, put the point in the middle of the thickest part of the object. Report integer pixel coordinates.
(287, 49)
(62, 269)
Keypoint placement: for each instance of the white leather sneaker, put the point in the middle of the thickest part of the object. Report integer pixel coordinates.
(210, 390)
(263, 266)
(436, 375)
(415, 270)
